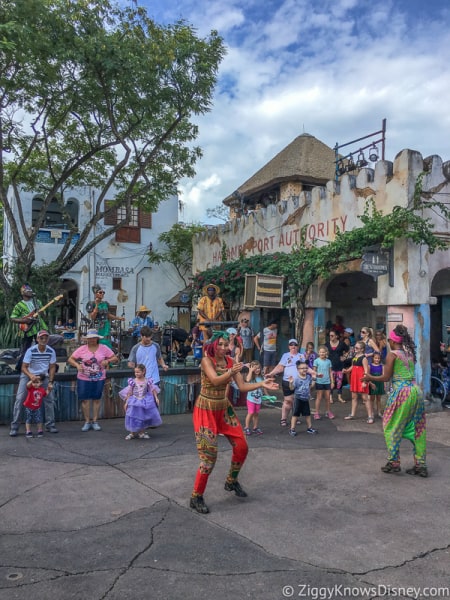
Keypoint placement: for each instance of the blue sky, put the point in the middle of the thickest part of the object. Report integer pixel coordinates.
(331, 68)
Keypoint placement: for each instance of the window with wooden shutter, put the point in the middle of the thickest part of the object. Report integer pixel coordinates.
(132, 231)
(110, 218)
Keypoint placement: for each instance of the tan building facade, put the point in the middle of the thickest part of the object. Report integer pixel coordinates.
(268, 218)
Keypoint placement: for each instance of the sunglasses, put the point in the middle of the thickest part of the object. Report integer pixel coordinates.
(100, 292)
(293, 344)
(244, 321)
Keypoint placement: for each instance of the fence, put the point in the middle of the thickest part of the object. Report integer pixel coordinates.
(179, 388)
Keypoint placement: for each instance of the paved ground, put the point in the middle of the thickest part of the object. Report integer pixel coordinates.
(92, 516)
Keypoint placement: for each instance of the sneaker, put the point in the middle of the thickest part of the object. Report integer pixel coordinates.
(13, 433)
(235, 486)
(317, 417)
(311, 430)
(329, 415)
(51, 429)
(292, 432)
(198, 504)
(257, 431)
(419, 470)
(86, 427)
(40, 433)
(144, 436)
(29, 434)
(95, 426)
(247, 431)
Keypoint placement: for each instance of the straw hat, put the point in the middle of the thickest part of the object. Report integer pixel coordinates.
(143, 308)
(211, 285)
(92, 333)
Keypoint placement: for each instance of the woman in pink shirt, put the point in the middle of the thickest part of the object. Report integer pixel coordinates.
(91, 360)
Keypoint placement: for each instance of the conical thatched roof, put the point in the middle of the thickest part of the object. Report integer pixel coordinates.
(305, 159)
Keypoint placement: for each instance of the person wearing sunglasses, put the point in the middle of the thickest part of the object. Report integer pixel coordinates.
(100, 315)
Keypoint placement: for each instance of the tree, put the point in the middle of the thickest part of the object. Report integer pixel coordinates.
(92, 94)
(309, 262)
(220, 212)
(178, 251)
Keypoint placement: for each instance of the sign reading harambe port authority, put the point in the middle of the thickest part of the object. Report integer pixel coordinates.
(263, 291)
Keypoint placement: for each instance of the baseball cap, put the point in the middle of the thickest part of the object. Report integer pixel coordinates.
(232, 330)
(42, 332)
(348, 330)
(293, 341)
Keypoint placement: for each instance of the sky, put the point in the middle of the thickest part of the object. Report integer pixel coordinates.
(330, 68)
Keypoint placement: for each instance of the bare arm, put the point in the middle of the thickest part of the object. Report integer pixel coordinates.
(387, 371)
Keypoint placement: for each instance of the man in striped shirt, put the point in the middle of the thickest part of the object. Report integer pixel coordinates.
(40, 359)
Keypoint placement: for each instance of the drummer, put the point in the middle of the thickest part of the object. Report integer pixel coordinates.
(142, 318)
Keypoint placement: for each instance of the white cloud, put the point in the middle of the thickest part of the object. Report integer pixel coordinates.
(333, 68)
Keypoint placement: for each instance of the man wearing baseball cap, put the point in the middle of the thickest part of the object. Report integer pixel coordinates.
(40, 359)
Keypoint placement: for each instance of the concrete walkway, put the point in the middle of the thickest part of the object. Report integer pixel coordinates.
(90, 516)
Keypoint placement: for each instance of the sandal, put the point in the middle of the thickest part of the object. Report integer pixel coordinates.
(391, 467)
(144, 436)
(341, 399)
(370, 420)
(283, 422)
(418, 470)
(349, 418)
(130, 436)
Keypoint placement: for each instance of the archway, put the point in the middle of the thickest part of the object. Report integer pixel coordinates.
(351, 296)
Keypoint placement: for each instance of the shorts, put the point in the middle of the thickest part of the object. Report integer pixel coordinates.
(286, 389)
(323, 386)
(253, 408)
(301, 408)
(269, 359)
(90, 390)
(34, 415)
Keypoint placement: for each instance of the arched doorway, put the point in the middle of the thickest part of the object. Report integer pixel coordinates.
(351, 296)
(439, 313)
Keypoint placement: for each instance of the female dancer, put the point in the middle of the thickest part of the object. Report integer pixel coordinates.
(404, 415)
(213, 414)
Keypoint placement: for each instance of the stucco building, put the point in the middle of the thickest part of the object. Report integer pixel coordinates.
(298, 189)
(118, 263)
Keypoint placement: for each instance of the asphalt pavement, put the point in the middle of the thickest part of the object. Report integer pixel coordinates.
(93, 516)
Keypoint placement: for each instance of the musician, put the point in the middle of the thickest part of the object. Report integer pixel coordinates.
(23, 314)
(101, 316)
(210, 308)
(141, 319)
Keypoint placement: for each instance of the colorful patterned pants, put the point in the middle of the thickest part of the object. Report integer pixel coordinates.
(207, 426)
(404, 417)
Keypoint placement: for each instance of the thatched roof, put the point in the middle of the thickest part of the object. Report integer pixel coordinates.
(182, 298)
(305, 159)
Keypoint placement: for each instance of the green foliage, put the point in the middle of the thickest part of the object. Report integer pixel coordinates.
(96, 94)
(178, 248)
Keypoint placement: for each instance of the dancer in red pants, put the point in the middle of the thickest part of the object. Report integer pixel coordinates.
(214, 414)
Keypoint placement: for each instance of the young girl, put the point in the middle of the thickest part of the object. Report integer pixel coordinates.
(376, 389)
(33, 405)
(141, 405)
(253, 399)
(324, 382)
(357, 370)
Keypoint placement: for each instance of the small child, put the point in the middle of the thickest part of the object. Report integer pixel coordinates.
(358, 368)
(322, 368)
(301, 385)
(33, 405)
(253, 399)
(141, 405)
(376, 389)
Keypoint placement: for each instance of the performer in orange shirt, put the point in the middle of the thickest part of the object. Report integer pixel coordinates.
(210, 307)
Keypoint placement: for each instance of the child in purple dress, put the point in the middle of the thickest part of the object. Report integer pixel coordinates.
(141, 405)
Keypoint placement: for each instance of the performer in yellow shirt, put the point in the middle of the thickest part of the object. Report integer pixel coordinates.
(210, 307)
